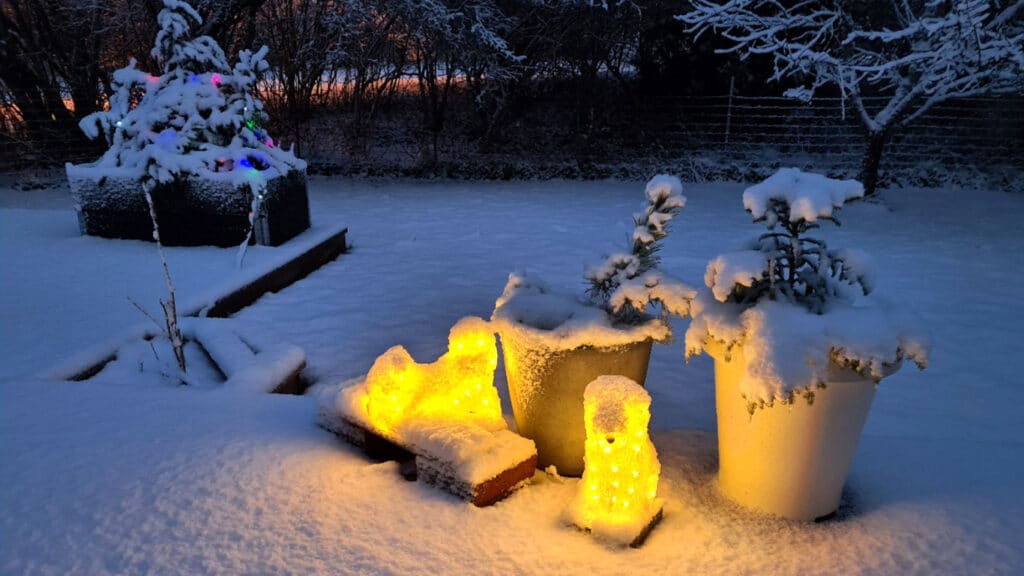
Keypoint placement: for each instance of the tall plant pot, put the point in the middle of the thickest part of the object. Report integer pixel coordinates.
(546, 388)
(788, 460)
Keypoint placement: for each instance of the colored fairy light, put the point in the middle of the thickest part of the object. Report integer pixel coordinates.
(245, 163)
(215, 79)
(194, 79)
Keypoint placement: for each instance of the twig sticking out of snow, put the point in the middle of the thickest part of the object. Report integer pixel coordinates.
(170, 306)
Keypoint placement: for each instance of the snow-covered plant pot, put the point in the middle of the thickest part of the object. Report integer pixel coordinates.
(208, 210)
(191, 141)
(548, 371)
(798, 351)
(555, 344)
(792, 461)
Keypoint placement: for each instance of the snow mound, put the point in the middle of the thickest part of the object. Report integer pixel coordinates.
(809, 196)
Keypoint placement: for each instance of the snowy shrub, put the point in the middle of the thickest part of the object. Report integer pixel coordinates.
(795, 305)
(626, 283)
(785, 263)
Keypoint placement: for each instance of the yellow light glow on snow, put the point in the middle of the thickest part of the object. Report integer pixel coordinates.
(620, 482)
(459, 386)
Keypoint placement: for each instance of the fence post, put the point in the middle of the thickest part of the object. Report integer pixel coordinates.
(728, 113)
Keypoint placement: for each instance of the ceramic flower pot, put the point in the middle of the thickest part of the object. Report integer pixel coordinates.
(546, 387)
(788, 460)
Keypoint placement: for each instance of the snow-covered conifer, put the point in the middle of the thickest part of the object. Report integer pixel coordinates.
(199, 115)
(785, 263)
(625, 284)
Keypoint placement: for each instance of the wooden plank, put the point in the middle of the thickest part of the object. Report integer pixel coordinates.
(280, 277)
(428, 468)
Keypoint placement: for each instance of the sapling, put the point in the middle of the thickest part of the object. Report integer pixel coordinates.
(170, 307)
(798, 268)
(793, 305)
(625, 284)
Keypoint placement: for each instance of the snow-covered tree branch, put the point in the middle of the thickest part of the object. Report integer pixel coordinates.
(916, 53)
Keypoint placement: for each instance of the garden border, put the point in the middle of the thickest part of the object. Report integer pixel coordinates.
(224, 305)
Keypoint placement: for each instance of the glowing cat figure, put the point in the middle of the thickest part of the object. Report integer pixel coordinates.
(617, 498)
(458, 387)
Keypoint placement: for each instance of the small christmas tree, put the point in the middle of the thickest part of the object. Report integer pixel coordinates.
(197, 117)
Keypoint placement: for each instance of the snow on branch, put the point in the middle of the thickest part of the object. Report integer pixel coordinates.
(920, 54)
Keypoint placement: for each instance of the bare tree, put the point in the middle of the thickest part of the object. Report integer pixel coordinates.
(449, 41)
(300, 37)
(370, 56)
(914, 53)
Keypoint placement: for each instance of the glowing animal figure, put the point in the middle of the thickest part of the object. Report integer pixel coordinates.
(617, 498)
(458, 387)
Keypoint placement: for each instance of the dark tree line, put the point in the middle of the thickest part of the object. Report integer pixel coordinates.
(364, 56)
(57, 56)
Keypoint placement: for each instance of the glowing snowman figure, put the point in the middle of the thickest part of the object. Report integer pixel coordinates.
(617, 498)
(458, 387)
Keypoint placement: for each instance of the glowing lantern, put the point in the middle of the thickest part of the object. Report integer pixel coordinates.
(617, 498)
(458, 387)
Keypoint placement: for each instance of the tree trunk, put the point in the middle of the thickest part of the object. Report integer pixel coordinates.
(872, 160)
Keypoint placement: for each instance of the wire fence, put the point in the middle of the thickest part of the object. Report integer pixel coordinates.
(978, 135)
(981, 131)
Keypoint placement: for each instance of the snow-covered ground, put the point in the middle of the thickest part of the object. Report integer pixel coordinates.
(140, 476)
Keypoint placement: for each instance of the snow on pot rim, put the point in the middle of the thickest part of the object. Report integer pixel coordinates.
(561, 322)
(788, 349)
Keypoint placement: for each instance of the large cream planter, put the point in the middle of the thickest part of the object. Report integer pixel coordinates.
(788, 460)
(546, 389)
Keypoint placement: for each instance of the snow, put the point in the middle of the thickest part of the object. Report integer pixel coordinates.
(130, 477)
(788, 349)
(810, 196)
(476, 454)
(562, 322)
(731, 269)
